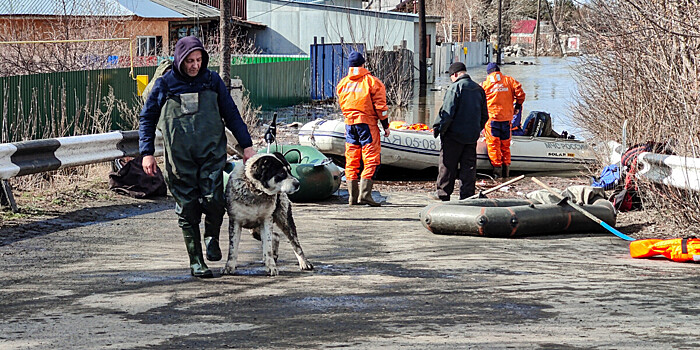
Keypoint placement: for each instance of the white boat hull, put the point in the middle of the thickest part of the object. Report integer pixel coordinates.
(419, 150)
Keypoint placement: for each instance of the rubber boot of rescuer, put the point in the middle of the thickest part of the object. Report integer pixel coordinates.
(497, 172)
(353, 192)
(211, 241)
(366, 193)
(194, 250)
(505, 171)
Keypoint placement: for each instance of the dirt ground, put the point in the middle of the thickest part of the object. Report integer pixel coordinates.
(112, 274)
(88, 269)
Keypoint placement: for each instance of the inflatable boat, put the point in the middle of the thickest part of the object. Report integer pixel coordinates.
(505, 218)
(419, 150)
(318, 177)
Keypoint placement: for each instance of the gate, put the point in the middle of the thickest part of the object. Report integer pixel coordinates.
(329, 64)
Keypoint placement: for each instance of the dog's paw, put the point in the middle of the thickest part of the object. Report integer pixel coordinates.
(272, 271)
(306, 266)
(228, 270)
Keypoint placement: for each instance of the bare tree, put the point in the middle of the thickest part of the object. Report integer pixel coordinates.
(642, 66)
(77, 52)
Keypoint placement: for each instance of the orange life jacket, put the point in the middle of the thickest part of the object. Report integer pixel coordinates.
(502, 92)
(677, 249)
(402, 125)
(362, 97)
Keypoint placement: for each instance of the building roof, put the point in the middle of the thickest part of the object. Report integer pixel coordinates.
(150, 9)
(109, 8)
(60, 7)
(349, 10)
(188, 8)
(524, 27)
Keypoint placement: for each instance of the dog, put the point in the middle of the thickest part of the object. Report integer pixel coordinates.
(256, 197)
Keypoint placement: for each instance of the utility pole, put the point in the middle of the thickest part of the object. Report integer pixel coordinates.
(498, 50)
(537, 27)
(225, 42)
(423, 68)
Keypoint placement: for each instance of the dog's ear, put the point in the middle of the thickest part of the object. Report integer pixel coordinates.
(265, 168)
(281, 158)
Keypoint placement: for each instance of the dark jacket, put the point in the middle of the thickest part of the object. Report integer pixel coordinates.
(464, 112)
(175, 83)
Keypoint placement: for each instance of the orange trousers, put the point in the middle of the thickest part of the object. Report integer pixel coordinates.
(497, 136)
(362, 143)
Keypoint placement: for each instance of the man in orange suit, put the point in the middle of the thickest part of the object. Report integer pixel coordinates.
(362, 98)
(505, 97)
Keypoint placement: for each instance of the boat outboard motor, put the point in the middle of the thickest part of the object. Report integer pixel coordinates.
(539, 124)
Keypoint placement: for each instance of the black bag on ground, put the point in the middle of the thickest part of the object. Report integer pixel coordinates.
(130, 180)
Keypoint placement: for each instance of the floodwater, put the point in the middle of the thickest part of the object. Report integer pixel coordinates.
(548, 84)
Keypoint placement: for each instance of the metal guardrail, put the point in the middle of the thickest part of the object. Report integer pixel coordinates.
(675, 171)
(37, 156)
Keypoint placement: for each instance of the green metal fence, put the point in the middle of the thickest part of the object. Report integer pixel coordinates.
(75, 103)
(67, 103)
(275, 84)
(253, 59)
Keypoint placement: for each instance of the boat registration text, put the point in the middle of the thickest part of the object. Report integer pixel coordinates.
(409, 141)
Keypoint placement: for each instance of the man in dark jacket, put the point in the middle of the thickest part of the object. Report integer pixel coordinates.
(461, 119)
(190, 105)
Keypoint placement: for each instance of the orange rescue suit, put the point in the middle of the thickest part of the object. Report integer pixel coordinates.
(362, 98)
(677, 249)
(502, 92)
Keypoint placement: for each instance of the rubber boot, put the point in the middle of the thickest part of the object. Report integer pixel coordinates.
(497, 172)
(366, 193)
(194, 249)
(211, 241)
(505, 172)
(353, 192)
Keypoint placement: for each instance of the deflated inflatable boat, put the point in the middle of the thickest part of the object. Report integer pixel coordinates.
(513, 217)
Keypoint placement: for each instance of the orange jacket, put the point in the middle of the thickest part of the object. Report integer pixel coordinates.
(362, 97)
(502, 92)
(677, 249)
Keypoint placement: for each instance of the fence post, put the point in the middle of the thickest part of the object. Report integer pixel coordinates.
(6, 197)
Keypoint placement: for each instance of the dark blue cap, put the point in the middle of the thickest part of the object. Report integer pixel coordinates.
(355, 58)
(492, 67)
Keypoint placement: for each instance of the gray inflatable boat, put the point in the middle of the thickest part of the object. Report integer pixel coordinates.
(513, 217)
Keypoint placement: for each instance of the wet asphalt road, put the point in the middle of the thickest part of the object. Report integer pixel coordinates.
(116, 277)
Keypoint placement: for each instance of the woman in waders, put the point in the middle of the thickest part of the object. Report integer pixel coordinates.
(190, 105)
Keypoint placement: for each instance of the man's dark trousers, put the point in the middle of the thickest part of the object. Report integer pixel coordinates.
(456, 158)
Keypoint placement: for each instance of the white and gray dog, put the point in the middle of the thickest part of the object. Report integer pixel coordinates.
(256, 197)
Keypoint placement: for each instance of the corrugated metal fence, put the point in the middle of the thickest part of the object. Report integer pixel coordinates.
(477, 53)
(275, 84)
(329, 64)
(61, 104)
(40, 106)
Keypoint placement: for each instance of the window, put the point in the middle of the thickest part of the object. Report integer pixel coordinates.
(149, 45)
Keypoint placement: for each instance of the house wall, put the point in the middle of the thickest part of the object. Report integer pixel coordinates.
(478, 53)
(49, 28)
(291, 27)
(522, 39)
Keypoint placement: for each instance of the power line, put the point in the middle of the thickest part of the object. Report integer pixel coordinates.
(274, 9)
